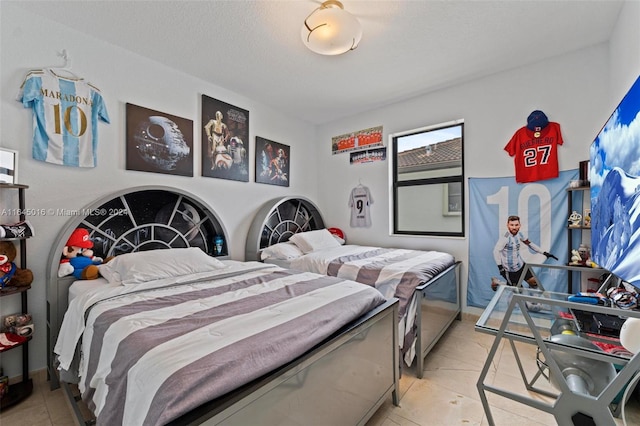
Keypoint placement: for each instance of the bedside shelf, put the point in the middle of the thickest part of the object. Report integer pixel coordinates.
(17, 392)
(9, 290)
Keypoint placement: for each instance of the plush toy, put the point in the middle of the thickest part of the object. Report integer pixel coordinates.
(10, 274)
(78, 258)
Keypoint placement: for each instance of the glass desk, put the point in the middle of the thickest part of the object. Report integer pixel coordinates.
(568, 354)
(537, 268)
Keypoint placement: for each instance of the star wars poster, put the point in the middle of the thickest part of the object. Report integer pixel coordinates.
(272, 162)
(158, 142)
(225, 132)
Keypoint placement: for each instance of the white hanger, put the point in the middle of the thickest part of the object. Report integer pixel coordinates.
(66, 68)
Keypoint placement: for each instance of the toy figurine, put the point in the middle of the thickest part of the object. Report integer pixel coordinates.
(576, 259)
(575, 219)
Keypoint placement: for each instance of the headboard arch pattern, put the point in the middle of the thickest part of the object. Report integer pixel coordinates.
(134, 219)
(277, 220)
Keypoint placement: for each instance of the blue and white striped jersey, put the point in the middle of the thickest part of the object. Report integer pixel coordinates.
(65, 117)
(507, 251)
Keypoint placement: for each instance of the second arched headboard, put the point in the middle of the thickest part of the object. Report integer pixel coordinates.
(277, 220)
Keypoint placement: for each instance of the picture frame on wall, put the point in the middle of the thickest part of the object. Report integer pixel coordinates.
(272, 162)
(158, 142)
(8, 166)
(225, 132)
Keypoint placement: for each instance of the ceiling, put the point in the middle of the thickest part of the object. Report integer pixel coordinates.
(408, 48)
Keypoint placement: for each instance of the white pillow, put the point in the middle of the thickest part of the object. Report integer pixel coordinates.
(314, 240)
(281, 251)
(142, 266)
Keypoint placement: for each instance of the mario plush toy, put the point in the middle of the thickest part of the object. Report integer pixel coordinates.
(78, 258)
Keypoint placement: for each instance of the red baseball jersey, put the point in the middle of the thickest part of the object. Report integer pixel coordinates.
(535, 153)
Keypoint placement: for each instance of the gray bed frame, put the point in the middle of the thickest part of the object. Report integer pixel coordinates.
(310, 388)
(278, 219)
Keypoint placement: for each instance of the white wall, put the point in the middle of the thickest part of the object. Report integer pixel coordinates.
(30, 41)
(572, 90)
(624, 56)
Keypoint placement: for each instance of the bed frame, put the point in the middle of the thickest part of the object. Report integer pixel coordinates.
(311, 387)
(277, 220)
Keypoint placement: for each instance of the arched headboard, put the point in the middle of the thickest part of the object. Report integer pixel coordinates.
(134, 219)
(277, 220)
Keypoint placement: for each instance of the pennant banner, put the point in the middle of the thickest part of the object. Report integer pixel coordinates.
(542, 207)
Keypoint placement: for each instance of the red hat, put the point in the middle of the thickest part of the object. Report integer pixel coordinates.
(80, 238)
(337, 232)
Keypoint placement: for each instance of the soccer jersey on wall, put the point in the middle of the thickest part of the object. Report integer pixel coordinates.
(65, 117)
(359, 201)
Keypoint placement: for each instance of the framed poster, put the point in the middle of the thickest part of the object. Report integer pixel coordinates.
(158, 142)
(368, 156)
(367, 138)
(225, 129)
(272, 162)
(8, 166)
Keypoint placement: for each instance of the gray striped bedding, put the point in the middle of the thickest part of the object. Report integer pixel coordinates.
(151, 355)
(394, 272)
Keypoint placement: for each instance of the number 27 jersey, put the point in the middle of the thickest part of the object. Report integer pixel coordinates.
(535, 153)
(65, 117)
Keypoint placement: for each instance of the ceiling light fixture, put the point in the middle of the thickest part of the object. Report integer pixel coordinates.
(331, 30)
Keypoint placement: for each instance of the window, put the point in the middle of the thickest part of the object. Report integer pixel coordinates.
(428, 176)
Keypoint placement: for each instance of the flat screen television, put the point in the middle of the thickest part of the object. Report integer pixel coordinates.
(614, 174)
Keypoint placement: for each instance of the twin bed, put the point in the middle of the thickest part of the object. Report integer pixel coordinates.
(181, 337)
(290, 232)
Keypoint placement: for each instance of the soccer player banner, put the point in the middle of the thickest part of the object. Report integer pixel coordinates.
(542, 209)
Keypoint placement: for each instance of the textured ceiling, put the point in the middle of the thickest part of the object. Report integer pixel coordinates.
(408, 47)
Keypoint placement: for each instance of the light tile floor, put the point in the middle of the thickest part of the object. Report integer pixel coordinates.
(447, 395)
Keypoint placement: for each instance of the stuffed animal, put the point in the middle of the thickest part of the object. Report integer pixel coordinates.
(78, 258)
(10, 274)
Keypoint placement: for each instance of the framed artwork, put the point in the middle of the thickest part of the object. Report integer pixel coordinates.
(8, 166)
(368, 155)
(225, 129)
(361, 139)
(158, 142)
(272, 162)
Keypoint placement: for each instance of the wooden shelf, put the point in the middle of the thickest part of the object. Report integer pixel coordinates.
(17, 345)
(17, 393)
(4, 185)
(8, 290)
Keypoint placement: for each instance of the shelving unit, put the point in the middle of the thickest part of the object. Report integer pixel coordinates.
(582, 192)
(20, 390)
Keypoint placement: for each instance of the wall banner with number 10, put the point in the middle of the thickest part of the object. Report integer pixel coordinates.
(542, 207)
